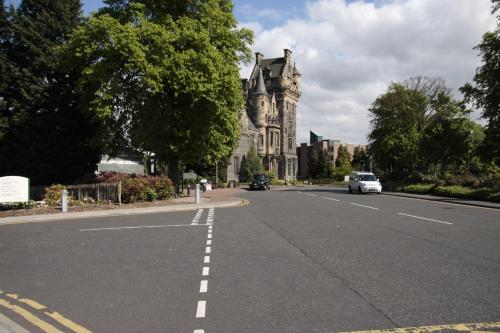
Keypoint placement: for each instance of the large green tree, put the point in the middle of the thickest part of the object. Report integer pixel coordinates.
(485, 92)
(163, 77)
(400, 120)
(44, 135)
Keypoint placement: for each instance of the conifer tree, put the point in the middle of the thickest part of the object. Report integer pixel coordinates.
(45, 136)
(250, 165)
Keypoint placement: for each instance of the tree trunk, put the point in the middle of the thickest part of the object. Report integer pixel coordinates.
(174, 173)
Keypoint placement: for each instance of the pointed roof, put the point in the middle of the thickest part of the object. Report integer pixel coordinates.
(260, 88)
(295, 70)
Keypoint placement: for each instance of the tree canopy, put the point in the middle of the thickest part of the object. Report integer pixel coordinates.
(162, 76)
(485, 92)
(412, 122)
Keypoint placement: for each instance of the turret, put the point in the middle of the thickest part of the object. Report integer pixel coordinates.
(296, 78)
(260, 100)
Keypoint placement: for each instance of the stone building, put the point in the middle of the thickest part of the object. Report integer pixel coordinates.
(269, 120)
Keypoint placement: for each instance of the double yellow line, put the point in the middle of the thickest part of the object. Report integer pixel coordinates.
(469, 327)
(8, 301)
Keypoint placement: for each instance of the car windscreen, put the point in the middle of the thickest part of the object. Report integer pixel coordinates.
(259, 177)
(367, 178)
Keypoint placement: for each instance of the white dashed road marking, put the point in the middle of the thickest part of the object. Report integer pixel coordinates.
(203, 286)
(202, 305)
(327, 198)
(424, 218)
(355, 204)
(200, 309)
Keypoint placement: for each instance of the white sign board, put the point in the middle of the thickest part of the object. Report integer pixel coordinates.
(346, 178)
(14, 189)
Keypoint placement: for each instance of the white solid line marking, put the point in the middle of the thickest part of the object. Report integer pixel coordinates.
(200, 309)
(327, 198)
(424, 218)
(198, 331)
(206, 260)
(208, 249)
(203, 286)
(311, 195)
(209, 242)
(205, 271)
(209, 236)
(142, 226)
(352, 203)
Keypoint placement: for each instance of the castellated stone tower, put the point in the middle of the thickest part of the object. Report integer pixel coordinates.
(269, 123)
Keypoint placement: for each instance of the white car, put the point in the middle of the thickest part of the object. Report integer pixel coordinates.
(364, 182)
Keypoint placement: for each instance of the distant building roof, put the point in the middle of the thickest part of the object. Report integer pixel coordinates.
(314, 138)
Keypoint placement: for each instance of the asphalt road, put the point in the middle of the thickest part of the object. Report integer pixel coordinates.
(311, 259)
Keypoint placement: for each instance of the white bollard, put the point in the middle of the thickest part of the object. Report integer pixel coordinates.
(197, 195)
(64, 201)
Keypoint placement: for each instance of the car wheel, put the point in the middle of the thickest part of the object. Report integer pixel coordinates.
(350, 189)
(359, 190)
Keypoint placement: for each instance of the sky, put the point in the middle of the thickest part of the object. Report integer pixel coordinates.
(350, 51)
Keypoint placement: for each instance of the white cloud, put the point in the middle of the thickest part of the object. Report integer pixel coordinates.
(348, 54)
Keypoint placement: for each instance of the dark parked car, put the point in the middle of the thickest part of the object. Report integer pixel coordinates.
(260, 181)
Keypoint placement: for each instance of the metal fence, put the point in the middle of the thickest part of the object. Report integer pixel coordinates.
(85, 193)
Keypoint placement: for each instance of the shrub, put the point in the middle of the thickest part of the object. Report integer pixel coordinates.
(494, 196)
(112, 177)
(135, 189)
(271, 175)
(163, 187)
(277, 182)
(468, 193)
(17, 205)
(146, 188)
(463, 180)
(419, 188)
(52, 195)
(454, 191)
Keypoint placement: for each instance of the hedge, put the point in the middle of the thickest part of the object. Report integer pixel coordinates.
(454, 191)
